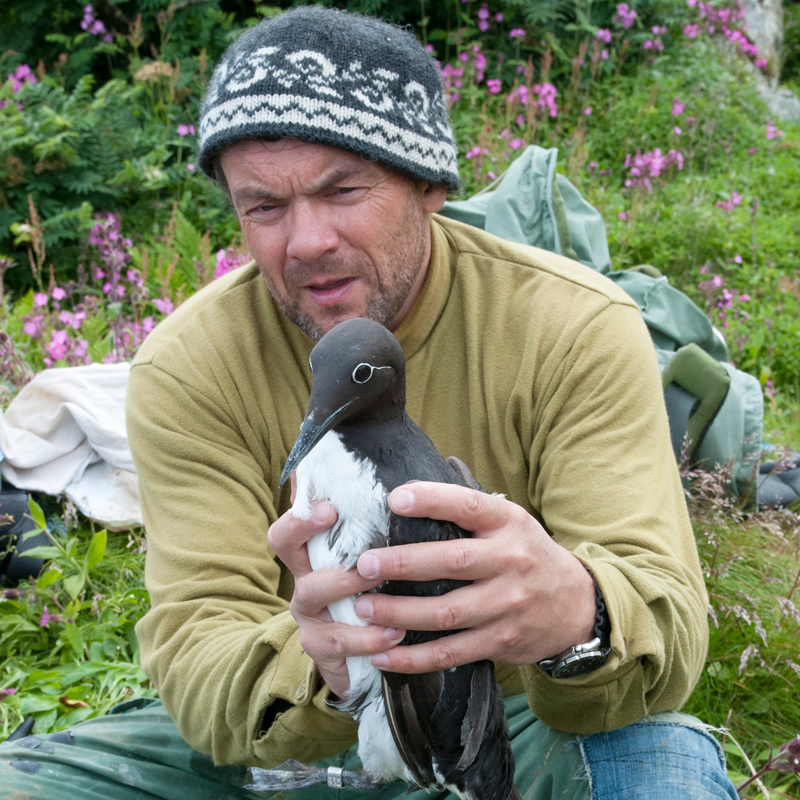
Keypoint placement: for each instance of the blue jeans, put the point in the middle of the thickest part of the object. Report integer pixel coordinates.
(135, 753)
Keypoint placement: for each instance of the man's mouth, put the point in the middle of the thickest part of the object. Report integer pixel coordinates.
(327, 292)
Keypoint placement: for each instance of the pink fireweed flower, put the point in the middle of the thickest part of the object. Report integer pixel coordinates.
(744, 298)
(185, 130)
(587, 111)
(761, 63)
(5, 692)
(520, 120)
(483, 12)
(58, 293)
(164, 304)
(622, 215)
(772, 132)
(40, 299)
(691, 30)
(604, 35)
(106, 287)
(729, 205)
(604, 54)
(45, 618)
(677, 107)
(494, 85)
(515, 33)
(515, 144)
(659, 30)
(625, 16)
(33, 326)
(677, 131)
(717, 281)
(20, 76)
(190, 167)
(499, 16)
(737, 259)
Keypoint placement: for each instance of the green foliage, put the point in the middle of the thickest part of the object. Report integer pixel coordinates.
(752, 565)
(67, 639)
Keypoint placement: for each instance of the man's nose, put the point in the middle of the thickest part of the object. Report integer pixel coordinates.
(312, 233)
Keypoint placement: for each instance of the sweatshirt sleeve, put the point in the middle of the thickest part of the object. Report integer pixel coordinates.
(608, 489)
(219, 642)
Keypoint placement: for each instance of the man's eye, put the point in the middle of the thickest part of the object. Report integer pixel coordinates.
(345, 189)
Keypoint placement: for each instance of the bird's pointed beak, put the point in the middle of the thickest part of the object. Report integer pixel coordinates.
(310, 434)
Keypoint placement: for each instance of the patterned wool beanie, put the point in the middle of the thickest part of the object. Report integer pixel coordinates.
(335, 78)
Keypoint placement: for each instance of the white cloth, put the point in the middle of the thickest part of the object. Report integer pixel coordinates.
(64, 433)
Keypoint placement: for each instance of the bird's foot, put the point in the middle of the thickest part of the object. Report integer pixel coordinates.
(296, 775)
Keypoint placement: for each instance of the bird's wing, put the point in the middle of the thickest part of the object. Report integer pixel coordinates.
(408, 731)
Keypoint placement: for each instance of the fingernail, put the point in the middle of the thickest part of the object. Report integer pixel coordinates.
(379, 660)
(394, 633)
(321, 511)
(368, 566)
(364, 608)
(401, 500)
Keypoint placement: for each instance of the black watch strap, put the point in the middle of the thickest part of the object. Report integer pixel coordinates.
(587, 657)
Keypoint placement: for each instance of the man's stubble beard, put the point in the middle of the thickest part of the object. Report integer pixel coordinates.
(404, 256)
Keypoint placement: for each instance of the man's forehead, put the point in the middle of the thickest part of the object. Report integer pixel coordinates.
(258, 165)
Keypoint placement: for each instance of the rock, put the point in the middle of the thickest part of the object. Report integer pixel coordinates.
(783, 103)
(764, 26)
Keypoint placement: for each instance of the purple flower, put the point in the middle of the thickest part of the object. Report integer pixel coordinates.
(515, 144)
(164, 304)
(604, 54)
(677, 107)
(772, 132)
(587, 111)
(185, 130)
(625, 16)
(33, 326)
(40, 299)
(483, 25)
(677, 131)
(494, 85)
(516, 32)
(622, 215)
(717, 281)
(737, 259)
(498, 16)
(761, 63)
(45, 617)
(483, 12)
(604, 35)
(4, 692)
(58, 293)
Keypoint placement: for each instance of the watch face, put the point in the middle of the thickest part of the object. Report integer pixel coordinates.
(579, 664)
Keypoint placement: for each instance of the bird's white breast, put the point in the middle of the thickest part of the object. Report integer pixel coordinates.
(330, 472)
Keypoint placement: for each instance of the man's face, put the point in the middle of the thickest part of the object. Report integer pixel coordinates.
(335, 236)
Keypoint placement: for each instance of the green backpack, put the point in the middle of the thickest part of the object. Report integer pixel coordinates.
(715, 410)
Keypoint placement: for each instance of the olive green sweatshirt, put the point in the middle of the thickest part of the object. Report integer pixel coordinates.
(536, 371)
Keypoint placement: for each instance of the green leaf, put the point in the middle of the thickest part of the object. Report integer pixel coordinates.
(97, 549)
(46, 552)
(35, 703)
(74, 584)
(95, 331)
(50, 577)
(75, 638)
(36, 512)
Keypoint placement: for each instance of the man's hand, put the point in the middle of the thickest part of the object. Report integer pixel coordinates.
(327, 642)
(530, 598)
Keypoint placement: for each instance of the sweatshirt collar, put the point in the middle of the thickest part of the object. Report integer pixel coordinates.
(421, 319)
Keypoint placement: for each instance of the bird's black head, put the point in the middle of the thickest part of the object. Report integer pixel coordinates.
(358, 369)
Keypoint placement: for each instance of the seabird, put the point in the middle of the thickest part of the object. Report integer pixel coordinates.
(356, 444)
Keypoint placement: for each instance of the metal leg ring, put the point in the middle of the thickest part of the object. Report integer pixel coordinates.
(335, 777)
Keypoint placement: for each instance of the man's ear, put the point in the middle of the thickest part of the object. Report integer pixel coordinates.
(433, 198)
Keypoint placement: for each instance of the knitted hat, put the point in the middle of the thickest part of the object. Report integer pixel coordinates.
(335, 78)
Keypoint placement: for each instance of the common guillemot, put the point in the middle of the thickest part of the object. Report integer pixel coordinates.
(434, 730)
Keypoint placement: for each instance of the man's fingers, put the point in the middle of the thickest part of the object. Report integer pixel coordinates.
(457, 559)
(468, 607)
(441, 654)
(289, 535)
(315, 591)
(332, 642)
(468, 508)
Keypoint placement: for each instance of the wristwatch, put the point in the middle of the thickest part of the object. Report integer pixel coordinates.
(587, 657)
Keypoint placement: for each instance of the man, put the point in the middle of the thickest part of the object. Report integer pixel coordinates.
(329, 132)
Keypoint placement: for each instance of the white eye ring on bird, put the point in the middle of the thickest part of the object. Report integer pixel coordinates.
(362, 373)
